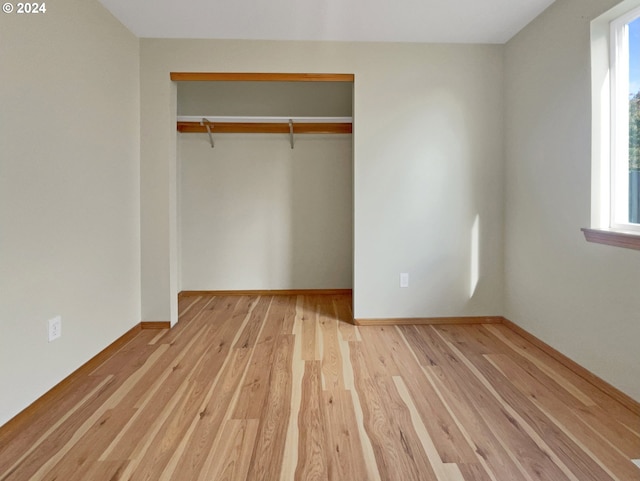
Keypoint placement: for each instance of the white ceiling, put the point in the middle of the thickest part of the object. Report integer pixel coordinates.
(456, 21)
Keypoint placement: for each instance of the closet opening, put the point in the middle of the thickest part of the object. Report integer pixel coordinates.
(265, 182)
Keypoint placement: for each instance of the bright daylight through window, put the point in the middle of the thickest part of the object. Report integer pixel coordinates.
(625, 121)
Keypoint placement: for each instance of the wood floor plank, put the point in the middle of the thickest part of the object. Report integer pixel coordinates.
(155, 392)
(382, 345)
(544, 363)
(372, 473)
(18, 461)
(130, 357)
(530, 353)
(190, 377)
(161, 333)
(468, 338)
(443, 471)
(312, 452)
(466, 401)
(231, 463)
(290, 456)
(490, 451)
(243, 310)
(96, 410)
(441, 426)
(193, 317)
(256, 384)
(285, 388)
(397, 449)
(107, 470)
(209, 421)
(449, 441)
(285, 312)
(525, 428)
(611, 431)
(423, 342)
(186, 304)
(473, 472)
(79, 462)
(266, 461)
(150, 458)
(375, 419)
(249, 335)
(437, 361)
(532, 453)
(607, 414)
(343, 444)
(309, 330)
(568, 377)
(348, 331)
(332, 375)
(159, 453)
(565, 419)
(594, 416)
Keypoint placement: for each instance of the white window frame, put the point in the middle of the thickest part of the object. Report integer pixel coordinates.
(601, 229)
(619, 122)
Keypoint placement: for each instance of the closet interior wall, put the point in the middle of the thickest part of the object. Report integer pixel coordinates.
(253, 212)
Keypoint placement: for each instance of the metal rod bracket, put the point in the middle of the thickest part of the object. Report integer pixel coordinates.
(208, 125)
(291, 132)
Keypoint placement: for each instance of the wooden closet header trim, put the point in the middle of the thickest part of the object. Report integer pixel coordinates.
(260, 77)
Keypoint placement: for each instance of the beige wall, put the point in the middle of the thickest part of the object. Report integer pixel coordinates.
(256, 214)
(69, 192)
(581, 298)
(427, 162)
(278, 99)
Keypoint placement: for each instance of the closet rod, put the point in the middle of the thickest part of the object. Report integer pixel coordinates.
(264, 128)
(265, 119)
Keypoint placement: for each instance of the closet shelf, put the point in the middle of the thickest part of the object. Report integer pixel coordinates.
(269, 125)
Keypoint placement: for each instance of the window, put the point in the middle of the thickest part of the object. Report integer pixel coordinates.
(615, 140)
(625, 121)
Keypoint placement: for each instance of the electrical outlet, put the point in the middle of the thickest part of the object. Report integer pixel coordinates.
(404, 279)
(55, 328)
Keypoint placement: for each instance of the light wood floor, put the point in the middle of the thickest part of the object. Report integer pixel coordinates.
(282, 388)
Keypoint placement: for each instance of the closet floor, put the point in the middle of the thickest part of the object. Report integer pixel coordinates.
(285, 388)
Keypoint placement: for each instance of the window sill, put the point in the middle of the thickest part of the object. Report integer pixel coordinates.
(628, 240)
